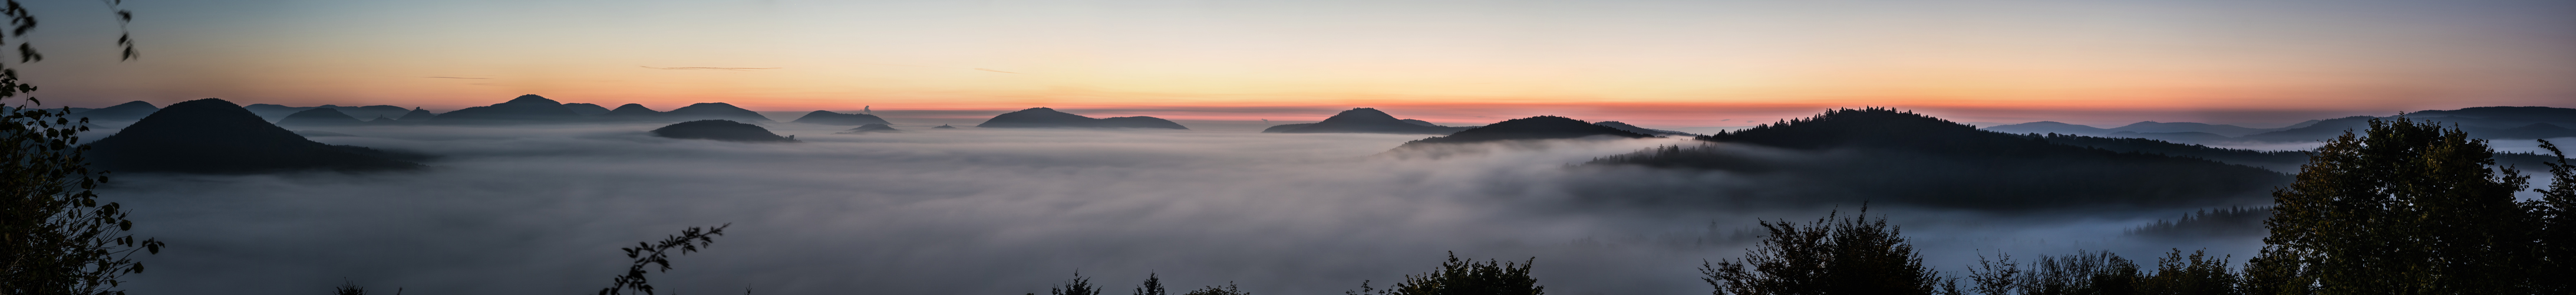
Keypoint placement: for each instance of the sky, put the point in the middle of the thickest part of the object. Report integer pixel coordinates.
(1667, 63)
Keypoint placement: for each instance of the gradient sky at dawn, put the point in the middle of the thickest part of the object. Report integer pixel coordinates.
(1680, 63)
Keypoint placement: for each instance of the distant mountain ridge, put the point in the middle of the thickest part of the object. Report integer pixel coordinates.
(832, 118)
(2479, 122)
(1364, 120)
(129, 111)
(1540, 127)
(525, 109)
(216, 136)
(1047, 117)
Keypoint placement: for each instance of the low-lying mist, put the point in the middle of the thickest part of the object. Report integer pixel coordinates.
(543, 209)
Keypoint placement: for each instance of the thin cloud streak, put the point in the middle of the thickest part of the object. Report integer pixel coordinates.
(707, 68)
(469, 78)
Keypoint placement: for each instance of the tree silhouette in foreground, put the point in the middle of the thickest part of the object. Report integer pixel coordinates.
(2406, 207)
(648, 254)
(1834, 255)
(1079, 285)
(2103, 273)
(59, 237)
(1456, 277)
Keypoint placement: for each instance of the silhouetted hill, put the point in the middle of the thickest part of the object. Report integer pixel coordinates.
(216, 136)
(2183, 127)
(872, 128)
(633, 112)
(1540, 127)
(2232, 222)
(713, 111)
(274, 113)
(831, 118)
(416, 116)
(2479, 122)
(2173, 136)
(319, 133)
(1363, 120)
(1642, 130)
(383, 120)
(1046, 117)
(719, 130)
(2321, 130)
(586, 109)
(2046, 127)
(1882, 155)
(1285, 127)
(944, 126)
(526, 109)
(129, 111)
(2278, 161)
(1420, 122)
(370, 111)
(319, 117)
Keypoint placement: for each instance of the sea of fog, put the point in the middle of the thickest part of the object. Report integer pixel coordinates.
(544, 209)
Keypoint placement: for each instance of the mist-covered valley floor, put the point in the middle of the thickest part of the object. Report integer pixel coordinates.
(543, 209)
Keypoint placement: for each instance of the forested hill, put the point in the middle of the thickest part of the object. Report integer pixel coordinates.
(2282, 161)
(1906, 158)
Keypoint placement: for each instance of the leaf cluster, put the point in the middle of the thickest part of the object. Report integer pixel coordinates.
(659, 254)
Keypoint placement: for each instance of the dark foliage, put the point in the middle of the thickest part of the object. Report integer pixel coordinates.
(349, 288)
(2218, 223)
(1153, 285)
(1363, 120)
(2103, 273)
(2554, 256)
(1229, 289)
(719, 130)
(1079, 285)
(1834, 255)
(1852, 155)
(2286, 161)
(1460, 277)
(59, 237)
(659, 254)
(2406, 207)
(215, 136)
(831, 118)
(1046, 117)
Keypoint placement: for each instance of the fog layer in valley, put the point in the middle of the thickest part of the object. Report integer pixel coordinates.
(543, 209)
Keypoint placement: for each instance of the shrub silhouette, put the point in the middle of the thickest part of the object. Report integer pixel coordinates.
(646, 254)
(1834, 255)
(1079, 285)
(1458, 277)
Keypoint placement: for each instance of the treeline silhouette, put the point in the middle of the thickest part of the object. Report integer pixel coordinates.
(2221, 222)
(1912, 159)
